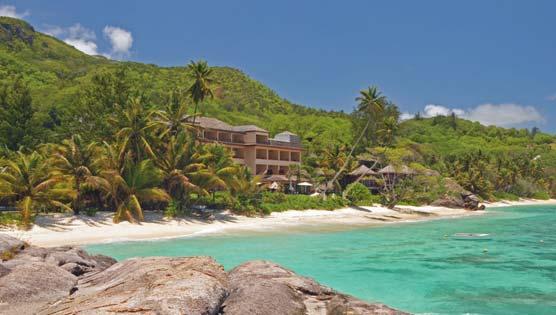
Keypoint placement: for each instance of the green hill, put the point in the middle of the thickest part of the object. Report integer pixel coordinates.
(58, 74)
(62, 79)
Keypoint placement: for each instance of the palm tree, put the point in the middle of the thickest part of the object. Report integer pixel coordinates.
(31, 182)
(137, 125)
(388, 130)
(74, 159)
(127, 190)
(174, 118)
(201, 87)
(174, 162)
(214, 168)
(371, 105)
(246, 189)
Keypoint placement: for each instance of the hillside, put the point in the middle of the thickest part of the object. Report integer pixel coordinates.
(64, 81)
(58, 73)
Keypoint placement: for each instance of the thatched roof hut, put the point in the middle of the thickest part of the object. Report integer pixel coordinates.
(362, 170)
(397, 170)
(275, 178)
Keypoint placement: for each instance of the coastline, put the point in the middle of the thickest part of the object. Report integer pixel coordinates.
(64, 229)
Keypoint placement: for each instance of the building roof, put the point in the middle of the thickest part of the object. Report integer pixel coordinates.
(245, 128)
(286, 133)
(275, 178)
(213, 123)
(362, 170)
(391, 169)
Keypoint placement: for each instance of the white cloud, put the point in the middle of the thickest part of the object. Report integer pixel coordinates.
(406, 116)
(76, 35)
(86, 46)
(53, 30)
(81, 32)
(504, 115)
(10, 11)
(81, 38)
(85, 39)
(432, 110)
(121, 39)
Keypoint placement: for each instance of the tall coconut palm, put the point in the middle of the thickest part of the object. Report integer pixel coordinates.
(371, 104)
(173, 119)
(201, 88)
(246, 189)
(174, 162)
(127, 190)
(215, 167)
(31, 183)
(74, 158)
(136, 133)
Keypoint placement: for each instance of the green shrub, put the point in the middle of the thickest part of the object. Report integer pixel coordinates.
(9, 219)
(357, 193)
(171, 210)
(300, 202)
(500, 195)
(541, 195)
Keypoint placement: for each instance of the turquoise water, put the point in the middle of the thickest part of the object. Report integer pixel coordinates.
(411, 266)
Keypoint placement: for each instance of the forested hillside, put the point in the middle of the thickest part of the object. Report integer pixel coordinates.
(125, 120)
(60, 77)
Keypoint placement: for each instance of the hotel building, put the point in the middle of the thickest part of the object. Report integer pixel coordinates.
(253, 147)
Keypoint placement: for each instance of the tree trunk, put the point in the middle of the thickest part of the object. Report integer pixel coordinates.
(77, 202)
(342, 169)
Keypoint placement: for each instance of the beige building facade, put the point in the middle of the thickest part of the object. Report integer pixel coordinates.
(253, 147)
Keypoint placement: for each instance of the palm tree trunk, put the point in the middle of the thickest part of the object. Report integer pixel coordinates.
(194, 118)
(77, 203)
(343, 168)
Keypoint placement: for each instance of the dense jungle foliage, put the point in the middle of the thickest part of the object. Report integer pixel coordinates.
(80, 132)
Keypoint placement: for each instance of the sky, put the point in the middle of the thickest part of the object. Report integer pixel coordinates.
(489, 61)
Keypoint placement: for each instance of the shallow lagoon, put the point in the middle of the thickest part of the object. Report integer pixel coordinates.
(411, 266)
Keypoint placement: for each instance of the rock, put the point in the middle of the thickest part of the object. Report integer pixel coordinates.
(342, 305)
(470, 201)
(67, 280)
(255, 289)
(190, 285)
(262, 287)
(34, 277)
(10, 246)
(11, 30)
(30, 286)
(449, 202)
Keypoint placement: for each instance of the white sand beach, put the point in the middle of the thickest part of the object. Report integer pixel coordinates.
(66, 229)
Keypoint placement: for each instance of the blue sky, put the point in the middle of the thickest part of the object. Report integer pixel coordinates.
(491, 61)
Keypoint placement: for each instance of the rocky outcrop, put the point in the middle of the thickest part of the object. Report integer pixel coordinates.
(457, 197)
(199, 285)
(265, 288)
(465, 200)
(14, 29)
(190, 285)
(472, 202)
(67, 280)
(449, 202)
(32, 277)
(10, 246)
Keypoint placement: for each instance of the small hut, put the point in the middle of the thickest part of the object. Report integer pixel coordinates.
(367, 175)
(392, 174)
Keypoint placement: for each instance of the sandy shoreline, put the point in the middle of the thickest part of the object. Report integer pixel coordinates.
(60, 229)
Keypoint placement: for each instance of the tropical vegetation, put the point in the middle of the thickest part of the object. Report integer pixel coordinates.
(84, 133)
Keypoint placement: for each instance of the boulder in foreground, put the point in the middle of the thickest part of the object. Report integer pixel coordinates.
(67, 280)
